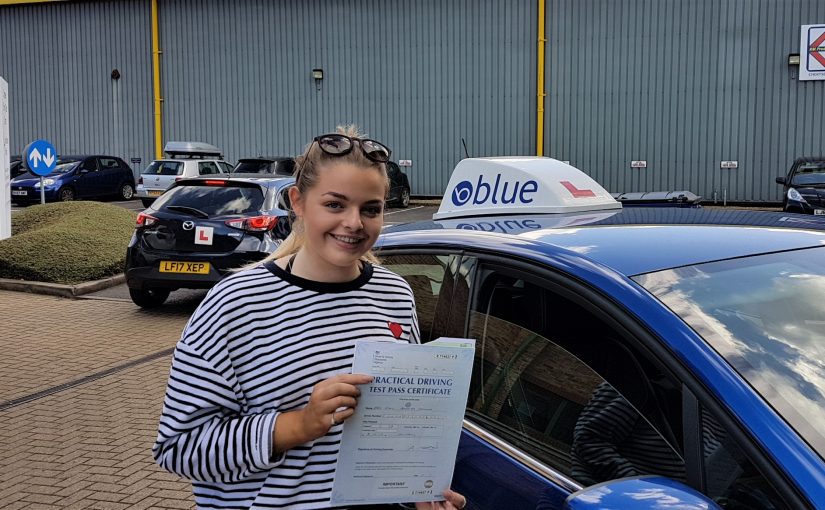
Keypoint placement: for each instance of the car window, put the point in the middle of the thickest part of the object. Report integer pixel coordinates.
(213, 200)
(764, 314)
(108, 163)
(810, 173)
(90, 165)
(163, 168)
(285, 167)
(208, 168)
(251, 167)
(282, 201)
(225, 167)
(426, 276)
(729, 478)
(559, 384)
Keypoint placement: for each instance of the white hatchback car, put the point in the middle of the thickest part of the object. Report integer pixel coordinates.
(186, 159)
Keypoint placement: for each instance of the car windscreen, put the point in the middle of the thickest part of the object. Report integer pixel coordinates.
(766, 316)
(810, 173)
(251, 167)
(213, 200)
(64, 166)
(164, 168)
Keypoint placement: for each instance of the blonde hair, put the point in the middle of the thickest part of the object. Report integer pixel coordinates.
(307, 167)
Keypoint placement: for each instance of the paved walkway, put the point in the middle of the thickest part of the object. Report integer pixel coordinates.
(81, 386)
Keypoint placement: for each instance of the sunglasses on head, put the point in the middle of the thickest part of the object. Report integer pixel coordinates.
(339, 145)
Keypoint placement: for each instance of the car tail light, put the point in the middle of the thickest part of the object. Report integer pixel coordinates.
(145, 220)
(254, 224)
(211, 182)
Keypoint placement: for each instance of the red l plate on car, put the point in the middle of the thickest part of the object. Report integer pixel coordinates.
(171, 266)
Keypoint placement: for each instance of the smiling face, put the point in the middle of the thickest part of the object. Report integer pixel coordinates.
(342, 216)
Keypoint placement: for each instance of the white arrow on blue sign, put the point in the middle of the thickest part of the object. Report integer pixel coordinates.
(41, 157)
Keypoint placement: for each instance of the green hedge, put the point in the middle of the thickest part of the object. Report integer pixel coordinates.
(67, 242)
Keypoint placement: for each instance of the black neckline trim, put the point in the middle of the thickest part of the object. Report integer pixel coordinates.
(328, 287)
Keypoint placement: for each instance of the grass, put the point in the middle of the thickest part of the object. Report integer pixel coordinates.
(67, 242)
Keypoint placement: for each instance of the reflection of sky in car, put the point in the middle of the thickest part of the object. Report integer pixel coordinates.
(813, 173)
(766, 316)
(64, 166)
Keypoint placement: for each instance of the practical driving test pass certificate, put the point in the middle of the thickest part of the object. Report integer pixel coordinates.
(400, 445)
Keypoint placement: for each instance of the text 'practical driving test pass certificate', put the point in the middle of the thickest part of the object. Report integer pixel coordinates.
(400, 445)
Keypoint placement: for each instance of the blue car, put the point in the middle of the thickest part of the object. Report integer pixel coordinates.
(77, 177)
(626, 357)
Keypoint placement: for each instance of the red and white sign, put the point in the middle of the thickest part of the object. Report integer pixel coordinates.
(812, 53)
(203, 235)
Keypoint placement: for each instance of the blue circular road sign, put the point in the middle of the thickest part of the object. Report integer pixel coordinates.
(40, 157)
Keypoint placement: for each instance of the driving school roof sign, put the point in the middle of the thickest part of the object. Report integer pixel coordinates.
(812, 53)
(520, 185)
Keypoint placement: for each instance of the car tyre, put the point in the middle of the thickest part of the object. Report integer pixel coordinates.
(65, 194)
(127, 191)
(404, 199)
(147, 201)
(149, 298)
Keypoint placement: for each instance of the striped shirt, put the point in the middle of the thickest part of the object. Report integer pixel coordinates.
(255, 347)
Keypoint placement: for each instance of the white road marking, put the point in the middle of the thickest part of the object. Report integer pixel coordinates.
(404, 210)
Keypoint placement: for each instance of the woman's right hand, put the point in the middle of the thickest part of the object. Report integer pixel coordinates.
(294, 428)
(332, 401)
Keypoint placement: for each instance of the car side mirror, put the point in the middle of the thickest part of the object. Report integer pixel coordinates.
(781, 180)
(639, 493)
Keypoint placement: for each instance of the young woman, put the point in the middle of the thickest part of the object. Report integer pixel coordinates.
(260, 383)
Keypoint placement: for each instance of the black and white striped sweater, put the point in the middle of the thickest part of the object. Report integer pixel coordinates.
(254, 348)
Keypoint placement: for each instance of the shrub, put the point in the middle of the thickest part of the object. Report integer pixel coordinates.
(67, 242)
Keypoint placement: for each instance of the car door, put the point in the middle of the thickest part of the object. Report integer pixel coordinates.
(88, 180)
(110, 176)
(566, 396)
(563, 396)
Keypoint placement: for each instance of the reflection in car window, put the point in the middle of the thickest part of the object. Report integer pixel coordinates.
(766, 316)
(425, 274)
(64, 166)
(729, 478)
(213, 200)
(537, 383)
(810, 173)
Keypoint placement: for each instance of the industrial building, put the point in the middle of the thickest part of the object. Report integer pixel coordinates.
(643, 95)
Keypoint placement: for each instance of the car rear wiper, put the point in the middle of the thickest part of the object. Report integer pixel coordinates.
(188, 210)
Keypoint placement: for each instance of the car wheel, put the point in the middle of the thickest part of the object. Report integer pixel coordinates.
(65, 194)
(127, 192)
(147, 201)
(404, 199)
(149, 298)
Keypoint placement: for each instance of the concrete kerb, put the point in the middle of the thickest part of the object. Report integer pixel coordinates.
(59, 289)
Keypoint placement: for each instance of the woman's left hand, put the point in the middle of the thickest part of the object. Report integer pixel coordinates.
(454, 501)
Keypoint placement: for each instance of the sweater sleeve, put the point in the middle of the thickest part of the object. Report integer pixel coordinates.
(202, 435)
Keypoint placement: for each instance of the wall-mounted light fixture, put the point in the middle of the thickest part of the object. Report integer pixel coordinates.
(318, 76)
(115, 74)
(793, 59)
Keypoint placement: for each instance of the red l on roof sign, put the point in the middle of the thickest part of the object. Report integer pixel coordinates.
(812, 53)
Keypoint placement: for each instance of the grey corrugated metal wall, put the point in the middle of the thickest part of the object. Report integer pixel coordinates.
(417, 75)
(682, 85)
(58, 59)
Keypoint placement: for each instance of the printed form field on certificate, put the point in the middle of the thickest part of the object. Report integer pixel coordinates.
(401, 443)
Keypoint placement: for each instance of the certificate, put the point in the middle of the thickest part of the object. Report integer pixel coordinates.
(400, 445)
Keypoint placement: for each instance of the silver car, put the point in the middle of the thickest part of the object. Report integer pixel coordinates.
(186, 159)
